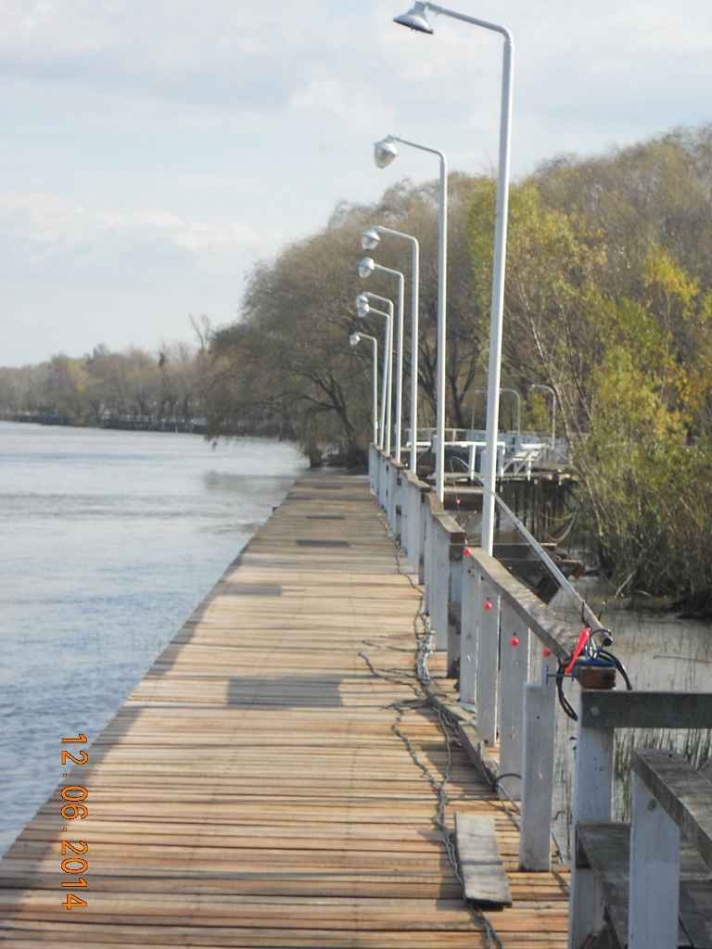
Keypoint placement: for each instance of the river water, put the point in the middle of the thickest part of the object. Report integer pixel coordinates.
(107, 542)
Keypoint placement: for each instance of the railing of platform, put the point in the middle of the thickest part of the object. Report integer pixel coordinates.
(505, 646)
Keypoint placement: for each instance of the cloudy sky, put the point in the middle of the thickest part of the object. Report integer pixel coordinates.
(152, 150)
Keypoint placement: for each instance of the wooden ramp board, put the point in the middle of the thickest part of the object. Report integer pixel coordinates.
(483, 875)
(255, 790)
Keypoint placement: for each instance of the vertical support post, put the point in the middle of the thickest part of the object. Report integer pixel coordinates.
(514, 674)
(539, 714)
(488, 663)
(422, 543)
(454, 609)
(428, 558)
(593, 783)
(653, 903)
(440, 586)
(470, 635)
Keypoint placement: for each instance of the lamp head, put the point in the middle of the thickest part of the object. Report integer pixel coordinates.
(385, 152)
(355, 339)
(370, 239)
(366, 266)
(416, 19)
(363, 311)
(361, 300)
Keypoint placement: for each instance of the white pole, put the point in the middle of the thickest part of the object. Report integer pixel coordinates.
(498, 275)
(442, 317)
(375, 390)
(386, 390)
(519, 407)
(399, 363)
(414, 309)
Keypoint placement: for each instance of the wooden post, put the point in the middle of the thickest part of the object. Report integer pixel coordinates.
(454, 608)
(514, 673)
(488, 663)
(399, 507)
(539, 713)
(422, 537)
(429, 528)
(440, 586)
(593, 783)
(471, 618)
(654, 894)
(414, 529)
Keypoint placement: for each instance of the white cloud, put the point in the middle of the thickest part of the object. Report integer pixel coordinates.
(53, 221)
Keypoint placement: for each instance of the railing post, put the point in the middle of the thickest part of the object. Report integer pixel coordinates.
(397, 505)
(471, 614)
(654, 894)
(428, 558)
(440, 581)
(414, 532)
(454, 608)
(488, 663)
(423, 517)
(593, 783)
(514, 673)
(539, 714)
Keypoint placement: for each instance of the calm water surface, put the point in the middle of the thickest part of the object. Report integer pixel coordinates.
(107, 541)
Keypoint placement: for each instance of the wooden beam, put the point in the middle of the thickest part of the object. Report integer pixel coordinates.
(646, 709)
(683, 793)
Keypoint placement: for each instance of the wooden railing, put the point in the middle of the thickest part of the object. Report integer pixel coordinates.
(506, 646)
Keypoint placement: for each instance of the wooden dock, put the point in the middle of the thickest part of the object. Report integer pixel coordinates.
(272, 780)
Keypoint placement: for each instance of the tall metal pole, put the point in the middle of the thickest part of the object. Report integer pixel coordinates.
(399, 362)
(518, 399)
(500, 259)
(442, 316)
(414, 311)
(387, 384)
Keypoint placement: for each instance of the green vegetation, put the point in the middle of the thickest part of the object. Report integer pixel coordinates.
(609, 300)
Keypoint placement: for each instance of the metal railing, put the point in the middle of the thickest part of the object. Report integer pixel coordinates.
(507, 648)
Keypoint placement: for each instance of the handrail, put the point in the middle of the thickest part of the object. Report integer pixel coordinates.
(485, 618)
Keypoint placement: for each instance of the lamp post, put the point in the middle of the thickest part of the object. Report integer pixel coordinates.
(366, 267)
(370, 240)
(386, 152)
(416, 19)
(355, 339)
(364, 309)
(518, 399)
(538, 385)
(516, 396)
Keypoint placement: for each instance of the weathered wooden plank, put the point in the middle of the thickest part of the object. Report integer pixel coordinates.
(254, 790)
(685, 795)
(483, 876)
(646, 709)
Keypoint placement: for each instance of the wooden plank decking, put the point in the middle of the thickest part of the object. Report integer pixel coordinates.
(258, 787)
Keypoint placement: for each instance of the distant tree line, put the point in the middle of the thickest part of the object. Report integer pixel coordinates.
(131, 389)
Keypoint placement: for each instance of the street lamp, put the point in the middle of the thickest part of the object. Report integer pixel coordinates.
(364, 309)
(355, 339)
(417, 19)
(518, 399)
(538, 385)
(370, 240)
(366, 267)
(516, 396)
(385, 152)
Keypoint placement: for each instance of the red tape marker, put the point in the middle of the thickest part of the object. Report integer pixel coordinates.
(581, 642)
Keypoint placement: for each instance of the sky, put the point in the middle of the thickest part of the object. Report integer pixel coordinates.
(153, 151)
